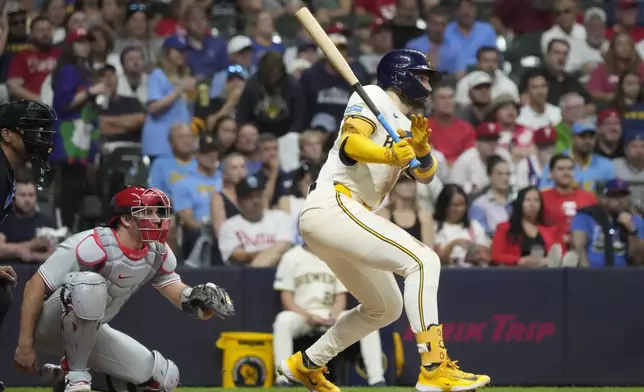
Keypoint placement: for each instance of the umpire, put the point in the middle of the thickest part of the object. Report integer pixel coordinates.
(26, 135)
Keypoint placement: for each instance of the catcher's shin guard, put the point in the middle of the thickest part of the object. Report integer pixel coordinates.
(164, 378)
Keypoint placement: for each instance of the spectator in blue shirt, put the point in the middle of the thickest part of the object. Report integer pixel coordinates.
(168, 86)
(469, 34)
(264, 38)
(207, 55)
(442, 54)
(191, 196)
(240, 55)
(590, 168)
(608, 234)
(166, 171)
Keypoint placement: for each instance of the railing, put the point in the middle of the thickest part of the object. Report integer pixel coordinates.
(520, 326)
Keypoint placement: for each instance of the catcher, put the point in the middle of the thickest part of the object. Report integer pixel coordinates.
(85, 283)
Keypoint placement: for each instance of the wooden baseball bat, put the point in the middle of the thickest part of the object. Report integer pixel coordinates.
(307, 20)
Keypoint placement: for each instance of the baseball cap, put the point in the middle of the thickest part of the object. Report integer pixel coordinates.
(478, 78)
(632, 136)
(239, 43)
(76, 35)
(248, 187)
(176, 42)
(324, 122)
(338, 39)
(208, 144)
(488, 131)
(594, 11)
(624, 4)
(582, 127)
(337, 33)
(545, 136)
(498, 102)
(606, 114)
(616, 187)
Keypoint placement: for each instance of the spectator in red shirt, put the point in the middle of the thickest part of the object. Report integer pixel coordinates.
(29, 68)
(562, 202)
(620, 58)
(171, 24)
(626, 13)
(524, 240)
(450, 135)
(521, 16)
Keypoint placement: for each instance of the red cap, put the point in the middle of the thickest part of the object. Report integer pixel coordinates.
(488, 130)
(627, 4)
(75, 35)
(606, 114)
(337, 28)
(544, 136)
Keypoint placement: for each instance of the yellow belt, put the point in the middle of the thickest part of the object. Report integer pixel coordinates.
(345, 191)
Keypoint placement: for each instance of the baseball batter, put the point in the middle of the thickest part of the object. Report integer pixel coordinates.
(362, 248)
(314, 298)
(88, 279)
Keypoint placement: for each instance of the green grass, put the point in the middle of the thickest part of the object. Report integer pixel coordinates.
(392, 389)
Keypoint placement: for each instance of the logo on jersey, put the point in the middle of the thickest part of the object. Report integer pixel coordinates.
(389, 142)
(354, 109)
(249, 371)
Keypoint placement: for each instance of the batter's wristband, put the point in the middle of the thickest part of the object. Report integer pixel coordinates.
(426, 161)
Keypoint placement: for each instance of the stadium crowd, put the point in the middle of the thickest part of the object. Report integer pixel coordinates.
(230, 109)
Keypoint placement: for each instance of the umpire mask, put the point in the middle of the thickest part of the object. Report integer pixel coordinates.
(34, 121)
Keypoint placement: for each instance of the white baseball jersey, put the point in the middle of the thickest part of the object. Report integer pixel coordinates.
(368, 182)
(275, 226)
(125, 270)
(313, 284)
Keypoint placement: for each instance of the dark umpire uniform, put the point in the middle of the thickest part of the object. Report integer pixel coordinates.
(26, 135)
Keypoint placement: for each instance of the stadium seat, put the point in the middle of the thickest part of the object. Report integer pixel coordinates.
(121, 164)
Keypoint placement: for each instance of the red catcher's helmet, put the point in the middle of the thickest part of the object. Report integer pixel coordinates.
(150, 208)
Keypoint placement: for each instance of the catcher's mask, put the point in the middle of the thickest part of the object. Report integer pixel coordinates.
(34, 121)
(149, 207)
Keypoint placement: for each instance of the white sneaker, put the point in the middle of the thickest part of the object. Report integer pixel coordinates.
(570, 259)
(81, 386)
(78, 381)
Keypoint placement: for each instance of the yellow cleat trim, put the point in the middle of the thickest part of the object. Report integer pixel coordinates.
(434, 333)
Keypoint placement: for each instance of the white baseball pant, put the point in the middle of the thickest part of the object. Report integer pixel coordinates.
(363, 249)
(290, 325)
(114, 353)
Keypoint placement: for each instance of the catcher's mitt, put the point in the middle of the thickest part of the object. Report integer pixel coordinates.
(207, 300)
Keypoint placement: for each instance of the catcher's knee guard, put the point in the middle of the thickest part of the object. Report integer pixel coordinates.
(165, 374)
(86, 294)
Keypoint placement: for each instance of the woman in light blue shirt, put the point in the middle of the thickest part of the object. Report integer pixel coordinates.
(168, 86)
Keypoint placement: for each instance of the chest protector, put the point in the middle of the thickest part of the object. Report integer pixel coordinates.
(124, 272)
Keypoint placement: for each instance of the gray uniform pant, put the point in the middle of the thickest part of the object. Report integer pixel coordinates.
(114, 353)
